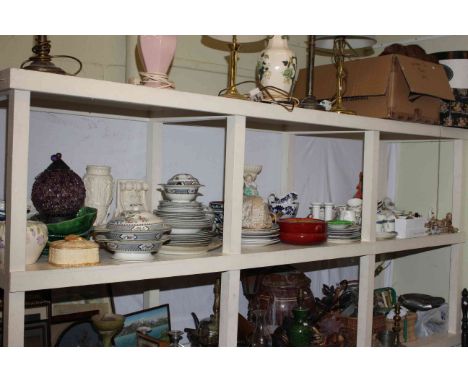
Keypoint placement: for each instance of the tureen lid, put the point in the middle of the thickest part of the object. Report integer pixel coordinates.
(183, 180)
(135, 216)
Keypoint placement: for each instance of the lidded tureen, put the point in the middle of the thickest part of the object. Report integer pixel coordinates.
(137, 220)
(183, 180)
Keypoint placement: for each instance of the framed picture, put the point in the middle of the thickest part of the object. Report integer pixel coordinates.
(37, 306)
(74, 329)
(79, 334)
(82, 299)
(143, 340)
(153, 322)
(36, 333)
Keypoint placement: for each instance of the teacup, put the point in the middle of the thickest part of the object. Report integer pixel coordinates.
(349, 215)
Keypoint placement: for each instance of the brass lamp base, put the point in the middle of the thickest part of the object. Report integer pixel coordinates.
(233, 93)
(42, 65)
(342, 110)
(42, 60)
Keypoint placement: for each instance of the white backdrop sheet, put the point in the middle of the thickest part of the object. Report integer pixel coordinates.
(326, 170)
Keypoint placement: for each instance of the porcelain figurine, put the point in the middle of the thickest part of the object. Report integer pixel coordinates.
(250, 175)
(99, 185)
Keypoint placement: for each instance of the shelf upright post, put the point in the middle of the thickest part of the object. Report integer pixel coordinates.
(153, 178)
(232, 227)
(456, 255)
(367, 263)
(16, 200)
(287, 163)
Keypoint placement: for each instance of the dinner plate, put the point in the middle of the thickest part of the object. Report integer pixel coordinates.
(259, 244)
(132, 256)
(179, 251)
(385, 235)
(343, 241)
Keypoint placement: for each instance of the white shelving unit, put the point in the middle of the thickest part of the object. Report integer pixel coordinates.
(23, 90)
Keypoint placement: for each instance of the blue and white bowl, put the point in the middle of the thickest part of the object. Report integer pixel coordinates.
(128, 250)
(180, 193)
(132, 235)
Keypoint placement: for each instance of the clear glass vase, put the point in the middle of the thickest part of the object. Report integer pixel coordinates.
(260, 335)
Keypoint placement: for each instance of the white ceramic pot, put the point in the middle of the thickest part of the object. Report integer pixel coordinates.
(36, 240)
(277, 66)
(99, 185)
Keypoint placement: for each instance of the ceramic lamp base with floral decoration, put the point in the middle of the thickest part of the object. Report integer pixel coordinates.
(276, 68)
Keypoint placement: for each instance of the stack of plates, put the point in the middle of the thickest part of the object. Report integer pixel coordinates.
(344, 233)
(260, 237)
(191, 226)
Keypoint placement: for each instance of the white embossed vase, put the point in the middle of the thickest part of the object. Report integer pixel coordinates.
(277, 67)
(99, 184)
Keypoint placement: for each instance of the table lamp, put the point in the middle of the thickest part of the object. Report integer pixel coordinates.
(234, 42)
(341, 47)
(310, 102)
(42, 60)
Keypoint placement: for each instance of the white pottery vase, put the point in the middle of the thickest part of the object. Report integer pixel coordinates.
(36, 240)
(277, 66)
(99, 184)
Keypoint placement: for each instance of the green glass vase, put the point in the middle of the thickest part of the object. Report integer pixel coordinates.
(300, 333)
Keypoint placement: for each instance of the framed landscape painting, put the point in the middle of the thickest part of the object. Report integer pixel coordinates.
(154, 322)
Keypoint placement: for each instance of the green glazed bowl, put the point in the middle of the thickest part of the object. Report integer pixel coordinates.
(340, 222)
(81, 223)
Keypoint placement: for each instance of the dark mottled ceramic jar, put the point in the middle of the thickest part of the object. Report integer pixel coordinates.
(58, 192)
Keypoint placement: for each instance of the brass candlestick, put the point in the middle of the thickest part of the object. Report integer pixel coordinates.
(231, 91)
(339, 46)
(234, 43)
(42, 60)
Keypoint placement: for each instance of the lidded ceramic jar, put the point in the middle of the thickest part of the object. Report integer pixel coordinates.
(58, 192)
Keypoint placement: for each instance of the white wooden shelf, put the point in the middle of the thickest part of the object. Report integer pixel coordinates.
(22, 91)
(42, 275)
(83, 94)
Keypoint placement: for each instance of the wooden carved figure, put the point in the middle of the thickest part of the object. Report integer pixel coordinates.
(396, 324)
